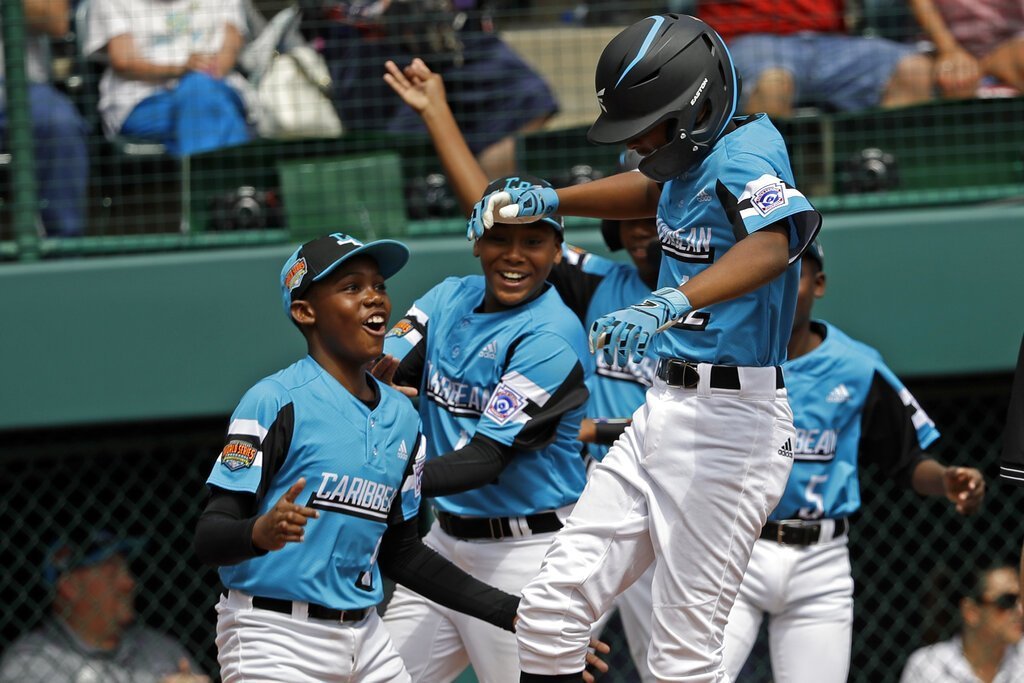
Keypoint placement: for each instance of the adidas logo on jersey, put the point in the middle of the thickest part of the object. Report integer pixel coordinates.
(838, 395)
(403, 452)
(703, 195)
(787, 449)
(490, 351)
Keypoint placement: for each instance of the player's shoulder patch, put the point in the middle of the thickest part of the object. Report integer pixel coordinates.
(239, 453)
(401, 328)
(769, 197)
(505, 404)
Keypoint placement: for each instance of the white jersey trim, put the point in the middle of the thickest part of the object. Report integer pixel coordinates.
(248, 428)
(526, 387)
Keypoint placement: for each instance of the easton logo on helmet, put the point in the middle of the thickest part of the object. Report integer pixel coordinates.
(700, 90)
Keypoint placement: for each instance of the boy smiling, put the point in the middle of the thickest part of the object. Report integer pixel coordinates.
(303, 579)
(500, 363)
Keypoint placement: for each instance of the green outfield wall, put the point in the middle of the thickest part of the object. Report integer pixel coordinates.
(183, 334)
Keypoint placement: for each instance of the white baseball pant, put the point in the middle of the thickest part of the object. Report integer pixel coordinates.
(636, 605)
(687, 487)
(438, 643)
(261, 645)
(807, 591)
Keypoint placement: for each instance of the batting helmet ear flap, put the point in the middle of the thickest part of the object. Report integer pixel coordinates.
(611, 235)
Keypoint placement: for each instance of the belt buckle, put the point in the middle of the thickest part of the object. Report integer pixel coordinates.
(780, 532)
(691, 378)
(494, 526)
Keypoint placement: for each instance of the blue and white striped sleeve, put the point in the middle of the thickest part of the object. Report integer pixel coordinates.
(258, 439)
(755, 195)
(543, 380)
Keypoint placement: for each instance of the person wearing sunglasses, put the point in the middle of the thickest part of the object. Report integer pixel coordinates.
(987, 650)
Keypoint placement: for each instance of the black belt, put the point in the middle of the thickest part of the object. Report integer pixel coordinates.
(677, 372)
(315, 611)
(497, 527)
(801, 533)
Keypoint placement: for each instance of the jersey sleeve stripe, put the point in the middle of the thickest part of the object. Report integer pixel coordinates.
(525, 386)
(747, 209)
(418, 315)
(244, 427)
(414, 337)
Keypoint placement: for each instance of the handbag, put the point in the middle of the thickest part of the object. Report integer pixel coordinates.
(294, 97)
(292, 82)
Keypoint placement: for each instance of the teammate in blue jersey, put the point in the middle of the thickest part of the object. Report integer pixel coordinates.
(849, 409)
(500, 364)
(316, 491)
(589, 284)
(691, 482)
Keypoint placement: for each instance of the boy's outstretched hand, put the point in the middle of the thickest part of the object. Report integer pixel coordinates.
(285, 522)
(416, 84)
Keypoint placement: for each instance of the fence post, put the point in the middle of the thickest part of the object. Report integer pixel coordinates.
(19, 131)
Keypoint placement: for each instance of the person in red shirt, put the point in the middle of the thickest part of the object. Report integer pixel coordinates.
(798, 53)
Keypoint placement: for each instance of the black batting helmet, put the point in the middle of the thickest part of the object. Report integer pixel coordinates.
(666, 67)
(628, 161)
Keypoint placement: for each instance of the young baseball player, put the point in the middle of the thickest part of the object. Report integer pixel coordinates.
(848, 408)
(691, 482)
(302, 577)
(588, 284)
(501, 365)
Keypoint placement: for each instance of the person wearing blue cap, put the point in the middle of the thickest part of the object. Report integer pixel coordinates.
(316, 492)
(93, 634)
(501, 365)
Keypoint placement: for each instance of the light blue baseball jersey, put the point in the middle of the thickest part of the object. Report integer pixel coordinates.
(592, 286)
(745, 184)
(362, 468)
(516, 376)
(848, 408)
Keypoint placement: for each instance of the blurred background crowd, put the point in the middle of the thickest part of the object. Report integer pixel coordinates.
(220, 128)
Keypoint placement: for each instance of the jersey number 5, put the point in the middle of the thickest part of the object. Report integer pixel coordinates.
(815, 498)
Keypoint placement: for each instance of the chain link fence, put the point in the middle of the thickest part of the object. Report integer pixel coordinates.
(911, 556)
(308, 75)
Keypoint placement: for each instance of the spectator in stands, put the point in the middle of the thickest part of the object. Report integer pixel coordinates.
(987, 648)
(974, 39)
(58, 131)
(170, 76)
(492, 91)
(92, 635)
(793, 54)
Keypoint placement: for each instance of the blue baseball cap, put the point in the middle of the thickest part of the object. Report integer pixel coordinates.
(64, 555)
(816, 252)
(317, 258)
(523, 181)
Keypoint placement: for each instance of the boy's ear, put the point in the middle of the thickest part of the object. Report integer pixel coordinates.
(302, 312)
(476, 248)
